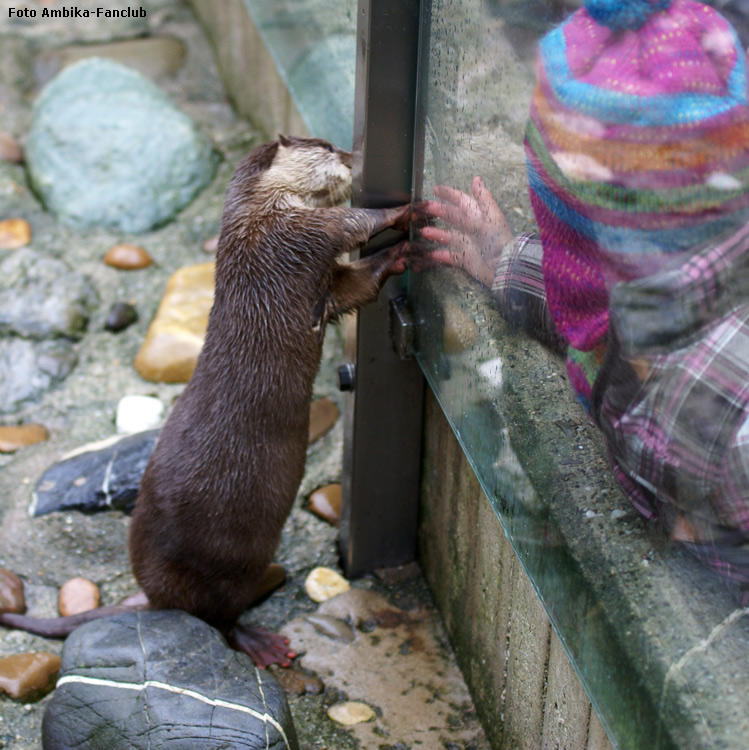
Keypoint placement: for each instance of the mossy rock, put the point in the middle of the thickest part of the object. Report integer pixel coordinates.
(108, 149)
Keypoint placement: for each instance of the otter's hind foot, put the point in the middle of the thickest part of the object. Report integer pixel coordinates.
(262, 646)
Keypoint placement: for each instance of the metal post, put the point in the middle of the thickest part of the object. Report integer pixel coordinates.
(383, 414)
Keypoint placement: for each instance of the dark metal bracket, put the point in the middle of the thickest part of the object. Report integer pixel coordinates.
(402, 327)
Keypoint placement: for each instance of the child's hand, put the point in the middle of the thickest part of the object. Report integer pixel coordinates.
(478, 234)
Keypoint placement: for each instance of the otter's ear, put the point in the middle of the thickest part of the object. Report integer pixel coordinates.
(284, 140)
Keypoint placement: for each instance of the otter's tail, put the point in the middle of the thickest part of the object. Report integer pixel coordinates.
(61, 627)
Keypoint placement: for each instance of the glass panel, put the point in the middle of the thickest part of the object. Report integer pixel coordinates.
(657, 639)
(313, 43)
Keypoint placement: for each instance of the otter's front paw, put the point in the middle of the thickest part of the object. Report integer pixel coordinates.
(398, 258)
(403, 220)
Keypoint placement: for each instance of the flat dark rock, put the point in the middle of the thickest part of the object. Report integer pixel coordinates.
(162, 679)
(96, 480)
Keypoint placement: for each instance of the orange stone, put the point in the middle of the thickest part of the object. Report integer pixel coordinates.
(14, 437)
(78, 595)
(325, 503)
(127, 257)
(12, 597)
(175, 337)
(14, 233)
(323, 414)
(29, 675)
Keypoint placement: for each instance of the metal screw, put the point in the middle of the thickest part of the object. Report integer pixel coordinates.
(346, 377)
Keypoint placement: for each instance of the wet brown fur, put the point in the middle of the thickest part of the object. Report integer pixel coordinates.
(229, 461)
(226, 469)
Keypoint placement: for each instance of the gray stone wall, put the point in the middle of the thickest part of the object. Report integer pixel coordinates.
(250, 76)
(523, 685)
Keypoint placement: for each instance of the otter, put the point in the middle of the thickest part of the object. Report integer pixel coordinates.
(228, 463)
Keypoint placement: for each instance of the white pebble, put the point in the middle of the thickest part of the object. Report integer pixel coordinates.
(617, 514)
(137, 413)
(351, 713)
(323, 584)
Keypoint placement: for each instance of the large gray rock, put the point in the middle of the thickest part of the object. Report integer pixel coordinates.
(44, 304)
(162, 680)
(107, 148)
(42, 297)
(29, 368)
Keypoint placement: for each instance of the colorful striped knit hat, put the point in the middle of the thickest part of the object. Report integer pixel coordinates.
(637, 147)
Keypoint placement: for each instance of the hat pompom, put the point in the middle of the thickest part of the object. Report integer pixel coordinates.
(624, 14)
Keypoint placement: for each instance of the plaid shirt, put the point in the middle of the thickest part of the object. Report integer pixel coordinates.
(672, 394)
(519, 288)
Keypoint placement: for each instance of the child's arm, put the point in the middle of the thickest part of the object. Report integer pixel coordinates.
(518, 287)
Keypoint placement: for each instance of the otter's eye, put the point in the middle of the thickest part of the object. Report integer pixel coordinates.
(329, 148)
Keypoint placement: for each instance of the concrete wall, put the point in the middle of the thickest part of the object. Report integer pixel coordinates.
(523, 685)
(255, 87)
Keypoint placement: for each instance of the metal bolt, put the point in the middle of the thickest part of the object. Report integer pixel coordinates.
(346, 377)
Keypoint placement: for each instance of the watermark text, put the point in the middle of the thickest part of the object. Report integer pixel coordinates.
(73, 11)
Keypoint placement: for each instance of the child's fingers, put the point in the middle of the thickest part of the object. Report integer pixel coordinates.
(454, 242)
(483, 197)
(438, 257)
(432, 209)
(495, 218)
(460, 201)
(459, 208)
(447, 193)
(485, 200)
(450, 257)
(437, 234)
(447, 212)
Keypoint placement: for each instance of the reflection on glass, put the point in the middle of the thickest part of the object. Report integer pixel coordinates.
(313, 43)
(598, 202)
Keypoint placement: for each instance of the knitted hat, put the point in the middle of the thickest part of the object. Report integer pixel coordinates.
(637, 148)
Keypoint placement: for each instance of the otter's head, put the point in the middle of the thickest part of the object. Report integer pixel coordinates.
(310, 170)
